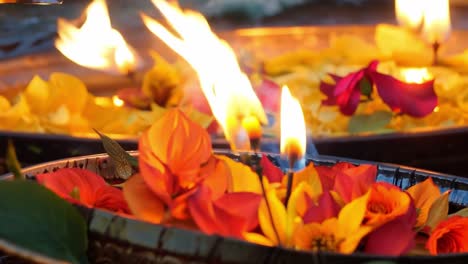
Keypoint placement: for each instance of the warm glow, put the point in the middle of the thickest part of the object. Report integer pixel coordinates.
(409, 13)
(252, 126)
(117, 101)
(96, 44)
(416, 75)
(227, 89)
(293, 130)
(437, 25)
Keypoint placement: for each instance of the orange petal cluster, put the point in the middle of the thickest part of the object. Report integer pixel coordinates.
(181, 179)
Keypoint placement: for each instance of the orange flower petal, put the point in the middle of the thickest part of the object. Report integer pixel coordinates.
(143, 203)
(181, 144)
(242, 178)
(216, 175)
(153, 171)
(450, 236)
(424, 194)
(387, 202)
(91, 188)
(311, 177)
(242, 204)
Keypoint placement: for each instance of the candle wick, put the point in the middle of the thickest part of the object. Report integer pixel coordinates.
(290, 175)
(435, 50)
(293, 158)
(255, 144)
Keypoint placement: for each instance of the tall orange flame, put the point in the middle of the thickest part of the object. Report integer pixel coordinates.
(227, 89)
(96, 44)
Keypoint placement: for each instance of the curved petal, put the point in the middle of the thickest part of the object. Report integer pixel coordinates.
(275, 229)
(424, 195)
(413, 99)
(154, 172)
(242, 178)
(215, 175)
(272, 172)
(143, 203)
(64, 181)
(392, 239)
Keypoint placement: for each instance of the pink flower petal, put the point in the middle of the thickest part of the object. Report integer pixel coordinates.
(417, 100)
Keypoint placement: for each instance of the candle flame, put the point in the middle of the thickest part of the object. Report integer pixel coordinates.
(416, 75)
(117, 101)
(437, 24)
(227, 89)
(293, 129)
(409, 13)
(96, 44)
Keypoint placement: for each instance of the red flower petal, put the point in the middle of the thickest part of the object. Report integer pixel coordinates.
(272, 172)
(326, 207)
(242, 204)
(353, 182)
(392, 239)
(92, 189)
(230, 215)
(417, 100)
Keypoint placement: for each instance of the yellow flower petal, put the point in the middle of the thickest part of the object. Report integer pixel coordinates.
(278, 213)
(242, 179)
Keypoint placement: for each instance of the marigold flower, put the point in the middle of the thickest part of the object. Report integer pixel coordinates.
(449, 236)
(338, 234)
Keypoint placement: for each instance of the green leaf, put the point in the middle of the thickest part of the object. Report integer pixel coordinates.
(123, 161)
(36, 219)
(439, 210)
(463, 212)
(369, 123)
(366, 87)
(12, 162)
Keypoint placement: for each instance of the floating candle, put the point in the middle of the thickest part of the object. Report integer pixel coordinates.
(416, 75)
(409, 13)
(293, 133)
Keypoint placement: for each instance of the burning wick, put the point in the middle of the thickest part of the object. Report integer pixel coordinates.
(254, 131)
(437, 25)
(293, 134)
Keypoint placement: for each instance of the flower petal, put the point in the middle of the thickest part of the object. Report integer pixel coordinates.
(272, 172)
(392, 239)
(242, 178)
(424, 194)
(449, 236)
(143, 203)
(414, 99)
(325, 208)
(277, 228)
(64, 181)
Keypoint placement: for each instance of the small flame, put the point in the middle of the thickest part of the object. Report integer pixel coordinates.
(416, 75)
(117, 101)
(409, 13)
(293, 129)
(227, 89)
(96, 44)
(437, 24)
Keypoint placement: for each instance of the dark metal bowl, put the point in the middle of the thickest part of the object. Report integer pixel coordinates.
(118, 239)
